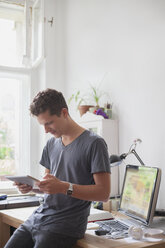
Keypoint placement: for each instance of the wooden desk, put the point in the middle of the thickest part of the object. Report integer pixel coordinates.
(15, 217)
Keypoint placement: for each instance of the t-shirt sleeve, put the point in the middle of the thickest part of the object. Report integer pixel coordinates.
(99, 157)
(45, 160)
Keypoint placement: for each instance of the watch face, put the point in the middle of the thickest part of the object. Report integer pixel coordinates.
(69, 192)
(70, 189)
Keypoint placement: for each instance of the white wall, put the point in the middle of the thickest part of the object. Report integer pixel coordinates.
(54, 44)
(123, 40)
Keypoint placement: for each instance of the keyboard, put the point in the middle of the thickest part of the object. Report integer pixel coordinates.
(110, 226)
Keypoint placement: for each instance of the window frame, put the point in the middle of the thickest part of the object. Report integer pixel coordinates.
(39, 60)
(26, 73)
(29, 16)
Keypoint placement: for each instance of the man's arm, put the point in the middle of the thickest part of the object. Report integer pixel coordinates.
(100, 191)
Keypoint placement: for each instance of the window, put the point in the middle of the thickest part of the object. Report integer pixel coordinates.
(15, 89)
(21, 50)
(14, 126)
(9, 126)
(22, 26)
(12, 39)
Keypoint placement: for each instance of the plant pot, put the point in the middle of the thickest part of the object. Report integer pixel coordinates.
(84, 108)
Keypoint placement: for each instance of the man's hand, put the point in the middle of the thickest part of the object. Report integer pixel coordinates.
(23, 188)
(50, 185)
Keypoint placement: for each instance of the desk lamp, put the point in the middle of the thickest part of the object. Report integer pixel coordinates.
(116, 160)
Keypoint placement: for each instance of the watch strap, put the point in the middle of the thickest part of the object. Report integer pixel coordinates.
(70, 189)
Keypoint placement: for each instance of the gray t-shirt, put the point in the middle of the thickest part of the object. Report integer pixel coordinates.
(75, 163)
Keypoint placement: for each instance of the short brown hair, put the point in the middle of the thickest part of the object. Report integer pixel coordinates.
(48, 99)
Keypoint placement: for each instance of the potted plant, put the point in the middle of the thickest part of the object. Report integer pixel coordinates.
(79, 100)
(95, 96)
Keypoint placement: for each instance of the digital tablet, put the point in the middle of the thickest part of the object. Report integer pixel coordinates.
(24, 180)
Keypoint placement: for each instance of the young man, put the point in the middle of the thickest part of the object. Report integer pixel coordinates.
(77, 170)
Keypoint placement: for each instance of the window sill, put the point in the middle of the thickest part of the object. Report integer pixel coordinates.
(8, 188)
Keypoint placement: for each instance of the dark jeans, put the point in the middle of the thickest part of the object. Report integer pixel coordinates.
(23, 238)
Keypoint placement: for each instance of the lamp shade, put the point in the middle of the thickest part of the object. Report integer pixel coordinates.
(116, 160)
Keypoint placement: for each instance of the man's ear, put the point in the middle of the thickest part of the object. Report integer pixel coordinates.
(65, 113)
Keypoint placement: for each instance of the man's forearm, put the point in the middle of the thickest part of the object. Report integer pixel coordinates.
(99, 191)
(88, 192)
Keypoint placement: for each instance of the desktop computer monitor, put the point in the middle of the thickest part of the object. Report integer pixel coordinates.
(140, 192)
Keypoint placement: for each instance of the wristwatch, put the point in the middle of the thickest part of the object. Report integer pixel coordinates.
(70, 189)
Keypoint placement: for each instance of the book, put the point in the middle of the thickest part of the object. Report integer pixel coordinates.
(97, 214)
(20, 202)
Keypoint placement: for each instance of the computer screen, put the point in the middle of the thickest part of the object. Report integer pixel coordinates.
(140, 192)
